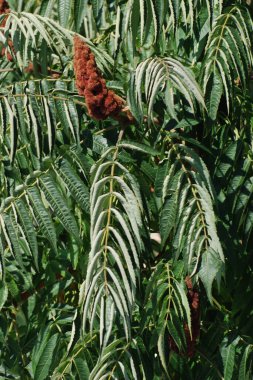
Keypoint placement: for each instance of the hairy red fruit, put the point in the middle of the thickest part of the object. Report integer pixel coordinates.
(193, 299)
(100, 101)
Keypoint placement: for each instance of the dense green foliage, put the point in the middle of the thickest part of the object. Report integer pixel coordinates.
(86, 291)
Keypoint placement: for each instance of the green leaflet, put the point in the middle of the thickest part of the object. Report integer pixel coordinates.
(228, 356)
(161, 173)
(45, 359)
(211, 268)
(168, 217)
(27, 225)
(2, 276)
(44, 336)
(21, 111)
(161, 350)
(76, 186)
(58, 204)
(243, 371)
(226, 162)
(79, 9)
(13, 129)
(63, 12)
(185, 304)
(82, 368)
(42, 216)
(63, 111)
(174, 334)
(3, 293)
(46, 7)
(213, 95)
(10, 228)
(139, 147)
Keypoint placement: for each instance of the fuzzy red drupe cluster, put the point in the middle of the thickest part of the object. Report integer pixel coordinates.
(100, 101)
(193, 298)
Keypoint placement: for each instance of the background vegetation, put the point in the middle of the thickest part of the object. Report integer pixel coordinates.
(101, 222)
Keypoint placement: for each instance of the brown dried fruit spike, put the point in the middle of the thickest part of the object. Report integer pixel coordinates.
(100, 101)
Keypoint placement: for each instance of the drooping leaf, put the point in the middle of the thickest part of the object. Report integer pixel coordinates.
(211, 267)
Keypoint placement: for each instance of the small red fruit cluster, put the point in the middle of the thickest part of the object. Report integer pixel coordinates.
(100, 101)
